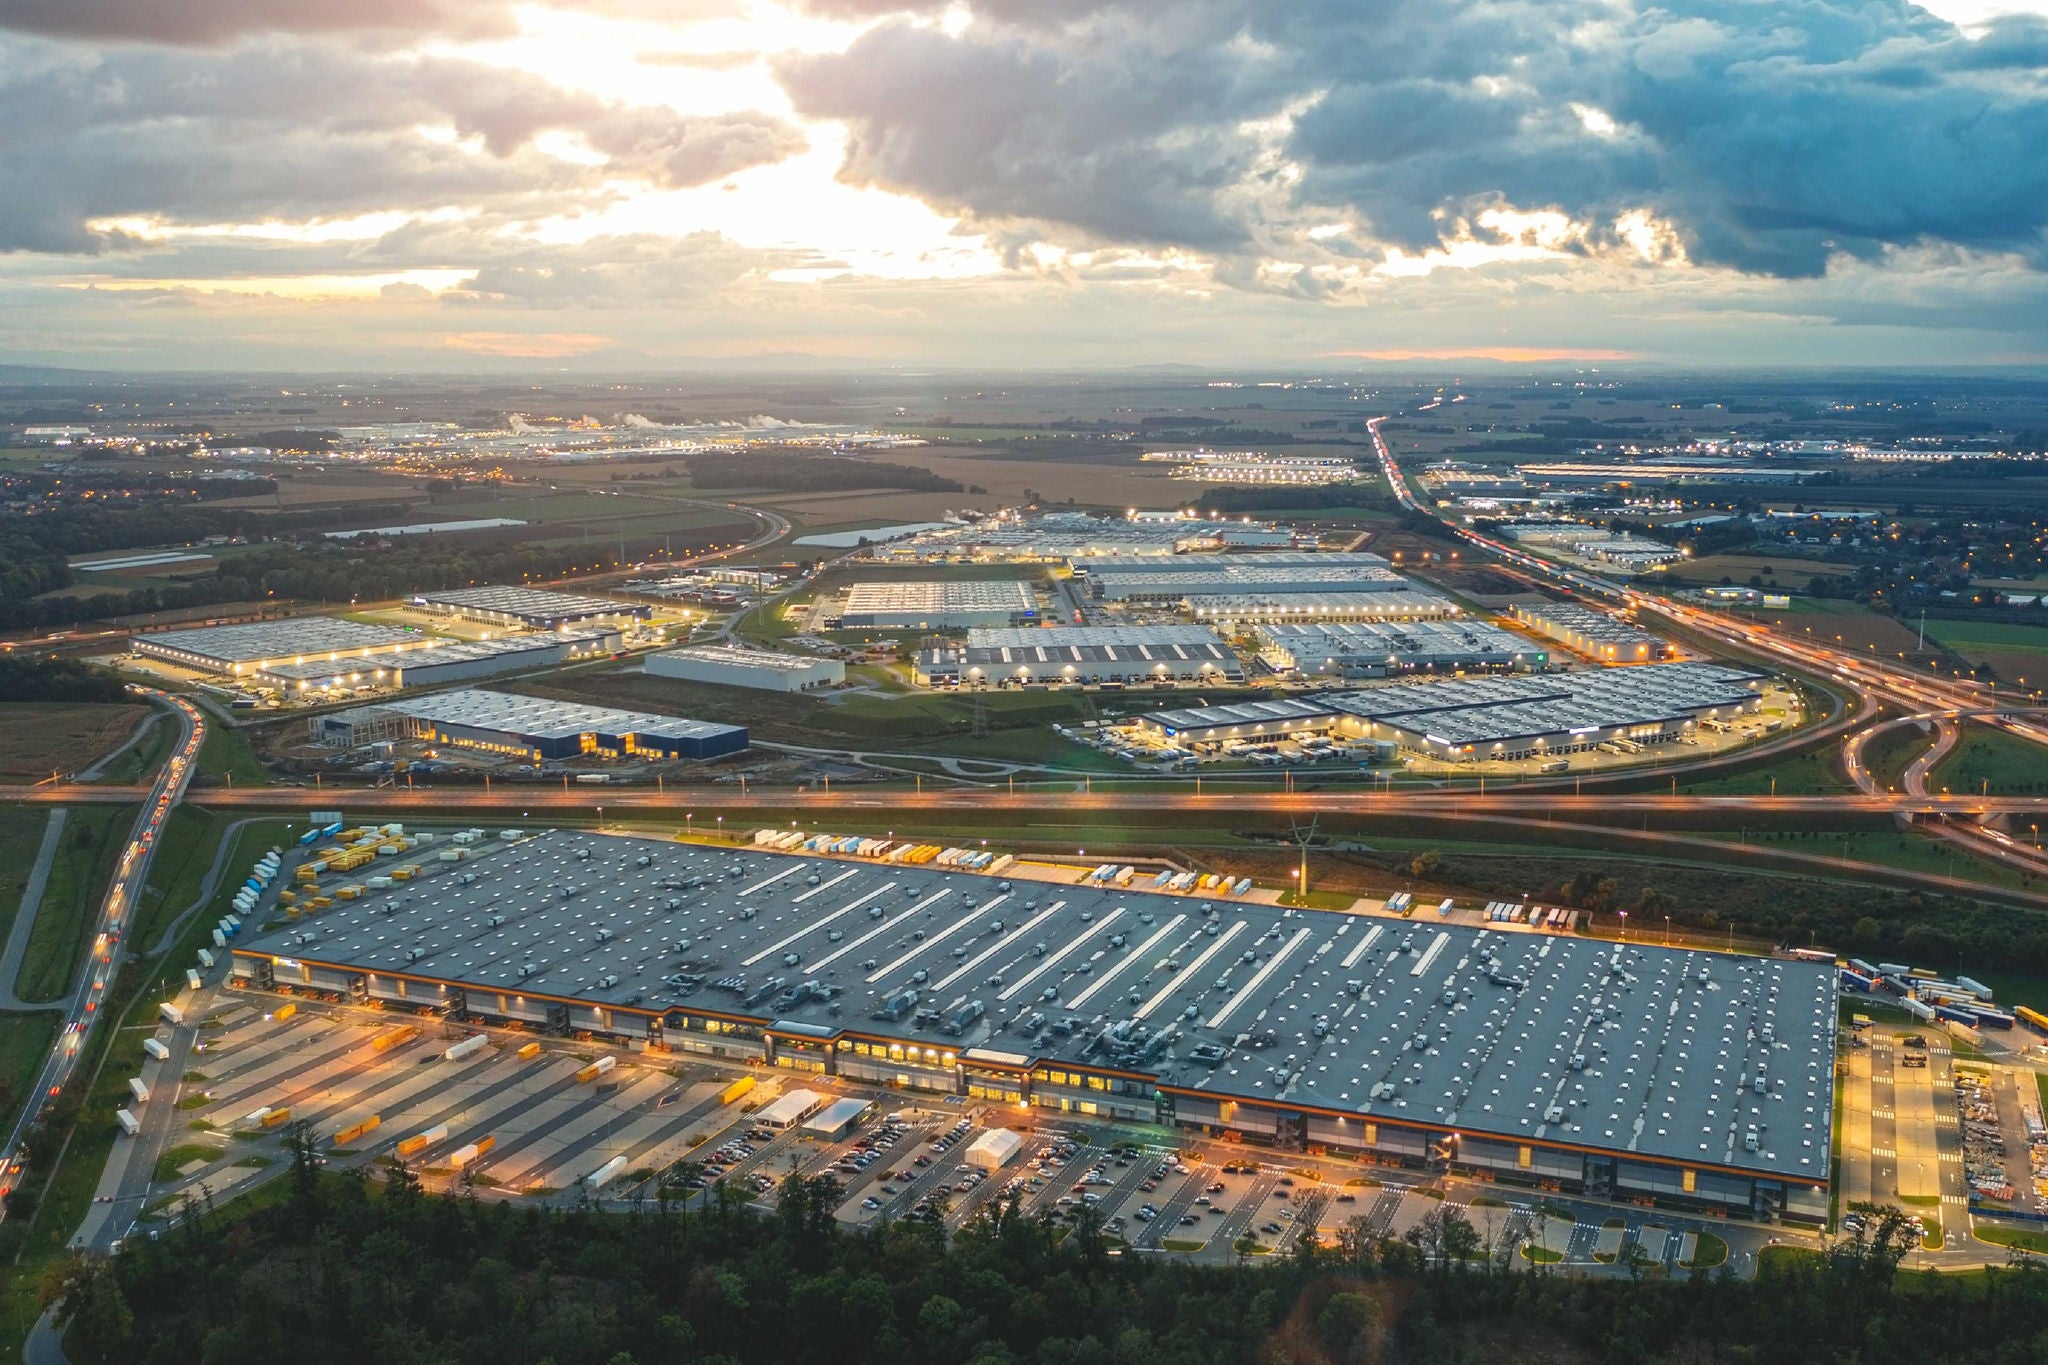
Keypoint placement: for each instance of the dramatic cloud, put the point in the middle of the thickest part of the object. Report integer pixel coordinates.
(299, 132)
(1774, 135)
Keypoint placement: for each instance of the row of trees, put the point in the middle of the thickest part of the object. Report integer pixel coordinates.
(354, 1267)
(23, 678)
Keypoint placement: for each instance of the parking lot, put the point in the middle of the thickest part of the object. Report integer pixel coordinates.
(549, 1120)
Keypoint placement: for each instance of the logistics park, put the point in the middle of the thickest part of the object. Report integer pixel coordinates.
(550, 1014)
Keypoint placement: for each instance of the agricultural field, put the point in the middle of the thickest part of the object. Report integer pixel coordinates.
(2012, 650)
(1778, 573)
(38, 738)
(1846, 624)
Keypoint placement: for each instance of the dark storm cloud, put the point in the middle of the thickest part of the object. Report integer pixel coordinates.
(297, 131)
(1774, 134)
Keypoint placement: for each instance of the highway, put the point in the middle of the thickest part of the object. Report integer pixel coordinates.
(1872, 679)
(109, 949)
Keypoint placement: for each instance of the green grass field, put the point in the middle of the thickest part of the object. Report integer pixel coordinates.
(21, 835)
(142, 761)
(25, 1040)
(1986, 759)
(1963, 636)
(225, 757)
(1807, 774)
(78, 877)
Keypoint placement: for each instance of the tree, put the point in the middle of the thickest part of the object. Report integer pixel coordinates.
(1426, 864)
(90, 1303)
(1349, 1326)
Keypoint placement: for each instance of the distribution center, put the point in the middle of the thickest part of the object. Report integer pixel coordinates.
(938, 605)
(257, 645)
(530, 729)
(1474, 719)
(529, 608)
(1372, 649)
(737, 667)
(1620, 1070)
(1594, 634)
(429, 661)
(1081, 654)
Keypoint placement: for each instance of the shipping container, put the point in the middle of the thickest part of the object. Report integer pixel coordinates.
(419, 1142)
(155, 1049)
(206, 958)
(1976, 988)
(607, 1173)
(128, 1122)
(738, 1089)
(467, 1048)
(469, 1152)
(277, 1118)
(596, 1069)
(345, 1136)
(193, 979)
(139, 1088)
(527, 1050)
(285, 1011)
(170, 1013)
(394, 1038)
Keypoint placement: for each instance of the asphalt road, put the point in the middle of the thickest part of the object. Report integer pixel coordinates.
(81, 1013)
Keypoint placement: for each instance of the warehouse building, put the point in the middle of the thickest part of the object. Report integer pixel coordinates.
(1594, 634)
(1378, 650)
(932, 605)
(441, 661)
(529, 729)
(1082, 655)
(1244, 610)
(529, 608)
(1057, 536)
(256, 646)
(732, 666)
(1473, 720)
(1197, 565)
(1688, 1077)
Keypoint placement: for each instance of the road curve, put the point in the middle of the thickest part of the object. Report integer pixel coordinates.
(110, 949)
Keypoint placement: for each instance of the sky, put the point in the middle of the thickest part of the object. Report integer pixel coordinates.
(650, 185)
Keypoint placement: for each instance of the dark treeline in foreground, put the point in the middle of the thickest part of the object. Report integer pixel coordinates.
(354, 1267)
(24, 678)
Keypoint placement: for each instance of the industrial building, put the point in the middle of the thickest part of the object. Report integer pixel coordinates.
(732, 666)
(1081, 655)
(431, 661)
(251, 648)
(529, 608)
(1372, 649)
(1410, 603)
(528, 729)
(1689, 1077)
(1057, 536)
(1477, 719)
(935, 605)
(1594, 634)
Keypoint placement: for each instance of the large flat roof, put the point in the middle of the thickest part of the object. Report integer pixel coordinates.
(1469, 710)
(1522, 1035)
(940, 596)
(1212, 563)
(544, 718)
(513, 600)
(256, 641)
(742, 657)
(439, 652)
